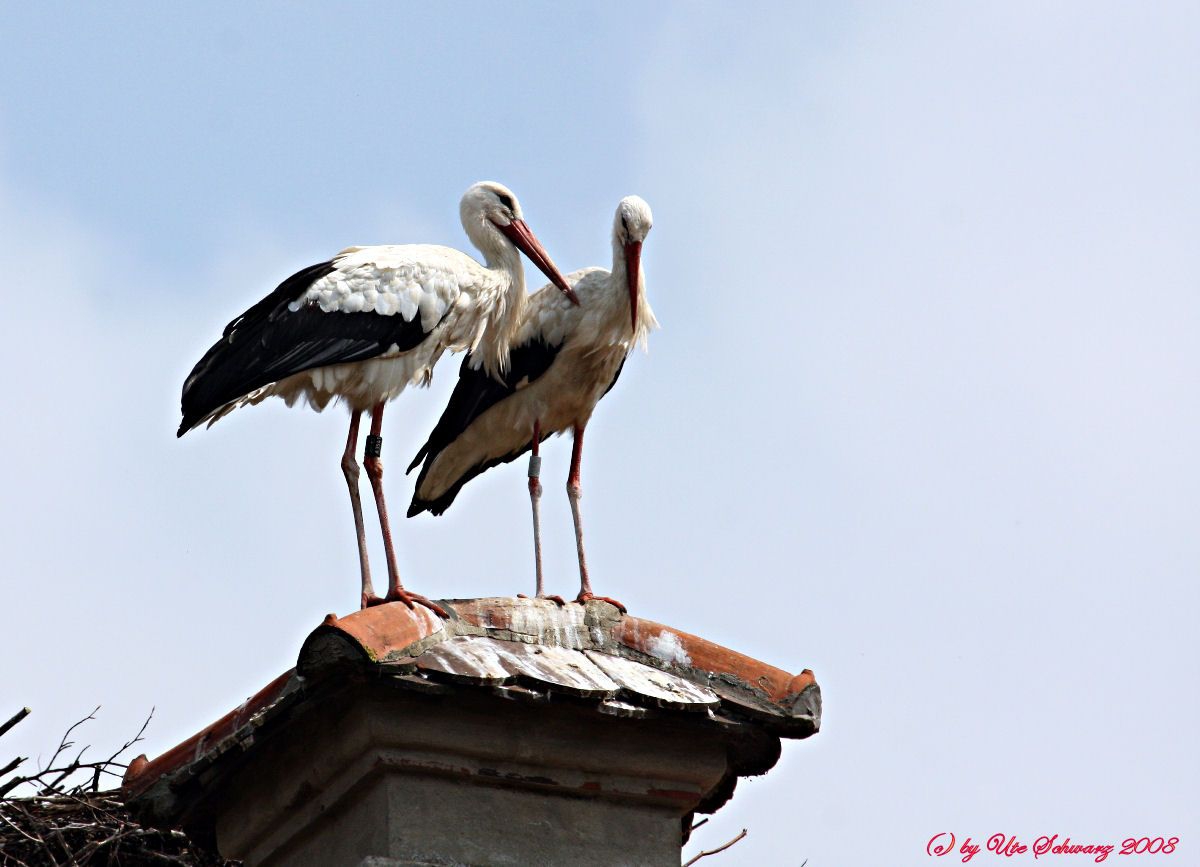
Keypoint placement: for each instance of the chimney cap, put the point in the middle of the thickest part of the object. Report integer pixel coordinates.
(511, 648)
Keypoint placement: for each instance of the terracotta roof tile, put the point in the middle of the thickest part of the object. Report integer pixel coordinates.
(141, 773)
(522, 649)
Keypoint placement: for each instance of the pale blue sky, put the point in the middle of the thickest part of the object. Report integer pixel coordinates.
(922, 415)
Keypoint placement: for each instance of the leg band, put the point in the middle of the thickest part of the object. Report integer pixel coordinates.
(374, 447)
(535, 466)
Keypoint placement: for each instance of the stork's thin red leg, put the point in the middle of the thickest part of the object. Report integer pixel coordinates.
(374, 467)
(535, 495)
(574, 492)
(350, 470)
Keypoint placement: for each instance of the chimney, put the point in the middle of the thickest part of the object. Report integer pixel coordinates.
(516, 732)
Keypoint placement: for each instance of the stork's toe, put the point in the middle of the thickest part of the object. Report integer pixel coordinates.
(584, 598)
(410, 598)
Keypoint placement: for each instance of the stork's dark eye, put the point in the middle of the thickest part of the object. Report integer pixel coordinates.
(506, 201)
(625, 223)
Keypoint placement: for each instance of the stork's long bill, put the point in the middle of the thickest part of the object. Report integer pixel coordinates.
(633, 274)
(525, 241)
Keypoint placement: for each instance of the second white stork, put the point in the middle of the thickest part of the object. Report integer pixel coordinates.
(564, 359)
(366, 324)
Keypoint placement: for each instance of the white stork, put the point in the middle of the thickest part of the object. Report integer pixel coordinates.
(564, 359)
(369, 322)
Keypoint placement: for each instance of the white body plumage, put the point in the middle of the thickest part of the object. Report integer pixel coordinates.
(593, 341)
(411, 281)
(366, 324)
(374, 320)
(596, 338)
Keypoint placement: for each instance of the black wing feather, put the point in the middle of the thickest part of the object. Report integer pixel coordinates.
(616, 376)
(442, 503)
(474, 394)
(269, 342)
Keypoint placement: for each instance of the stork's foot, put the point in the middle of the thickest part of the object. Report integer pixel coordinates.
(558, 600)
(408, 599)
(584, 598)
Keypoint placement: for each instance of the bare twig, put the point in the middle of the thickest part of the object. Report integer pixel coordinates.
(69, 821)
(708, 852)
(52, 787)
(16, 718)
(10, 785)
(56, 779)
(10, 824)
(697, 825)
(136, 739)
(65, 744)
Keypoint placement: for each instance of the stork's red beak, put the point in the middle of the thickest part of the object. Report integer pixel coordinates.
(633, 274)
(527, 243)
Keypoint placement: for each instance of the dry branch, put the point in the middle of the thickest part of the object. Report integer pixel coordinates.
(721, 848)
(16, 718)
(66, 819)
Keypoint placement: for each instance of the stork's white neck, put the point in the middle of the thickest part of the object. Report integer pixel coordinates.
(620, 282)
(501, 306)
(619, 266)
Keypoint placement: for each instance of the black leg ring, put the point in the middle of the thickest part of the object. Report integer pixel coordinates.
(374, 446)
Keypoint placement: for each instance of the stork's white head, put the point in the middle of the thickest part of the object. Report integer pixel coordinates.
(491, 217)
(631, 225)
(488, 204)
(633, 221)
